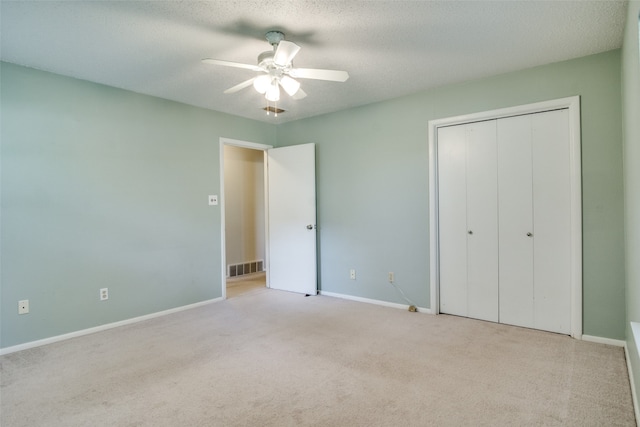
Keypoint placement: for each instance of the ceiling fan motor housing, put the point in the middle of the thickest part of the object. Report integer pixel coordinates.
(265, 58)
(274, 37)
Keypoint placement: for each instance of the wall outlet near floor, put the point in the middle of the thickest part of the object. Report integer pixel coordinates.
(391, 277)
(104, 294)
(23, 306)
(352, 274)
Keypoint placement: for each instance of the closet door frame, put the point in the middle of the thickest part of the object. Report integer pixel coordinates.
(573, 106)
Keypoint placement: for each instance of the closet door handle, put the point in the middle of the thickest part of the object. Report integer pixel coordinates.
(529, 234)
(470, 232)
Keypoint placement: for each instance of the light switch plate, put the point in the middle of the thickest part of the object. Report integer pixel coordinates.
(213, 200)
(23, 306)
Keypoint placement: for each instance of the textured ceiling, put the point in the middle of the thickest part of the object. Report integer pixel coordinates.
(389, 48)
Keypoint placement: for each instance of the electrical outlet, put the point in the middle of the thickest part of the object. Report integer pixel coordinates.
(352, 274)
(104, 294)
(391, 277)
(23, 306)
(213, 200)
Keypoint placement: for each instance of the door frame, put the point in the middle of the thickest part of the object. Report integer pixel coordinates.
(573, 105)
(223, 254)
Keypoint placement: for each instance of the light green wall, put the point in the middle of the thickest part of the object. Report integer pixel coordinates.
(631, 131)
(373, 182)
(105, 188)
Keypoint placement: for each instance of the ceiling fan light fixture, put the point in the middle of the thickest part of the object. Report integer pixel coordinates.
(290, 85)
(273, 92)
(262, 83)
(275, 68)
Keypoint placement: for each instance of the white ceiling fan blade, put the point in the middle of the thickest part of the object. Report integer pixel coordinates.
(285, 53)
(313, 73)
(240, 86)
(231, 64)
(299, 94)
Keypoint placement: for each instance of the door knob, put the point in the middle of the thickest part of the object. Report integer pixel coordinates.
(470, 232)
(310, 227)
(529, 234)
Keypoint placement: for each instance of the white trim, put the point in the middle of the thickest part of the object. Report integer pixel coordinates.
(602, 340)
(634, 393)
(434, 238)
(373, 301)
(245, 144)
(573, 104)
(101, 328)
(223, 266)
(267, 253)
(635, 331)
(575, 154)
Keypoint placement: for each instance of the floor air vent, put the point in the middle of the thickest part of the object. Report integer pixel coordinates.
(241, 269)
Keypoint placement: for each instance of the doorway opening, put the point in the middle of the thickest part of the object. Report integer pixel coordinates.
(243, 214)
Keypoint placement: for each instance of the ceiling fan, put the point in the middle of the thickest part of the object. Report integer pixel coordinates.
(277, 71)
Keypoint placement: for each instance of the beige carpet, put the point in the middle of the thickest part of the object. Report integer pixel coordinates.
(278, 359)
(246, 284)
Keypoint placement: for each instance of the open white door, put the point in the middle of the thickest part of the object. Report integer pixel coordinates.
(291, 220)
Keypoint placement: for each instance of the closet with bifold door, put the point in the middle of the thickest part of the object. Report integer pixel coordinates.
(504, 220)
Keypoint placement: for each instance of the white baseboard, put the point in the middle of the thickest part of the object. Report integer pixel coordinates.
(635, 331)
(374, 301)
(601, 340)
(100, 328)
(634, 394)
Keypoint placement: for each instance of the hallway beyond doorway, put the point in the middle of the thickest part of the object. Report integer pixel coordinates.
(246, 284)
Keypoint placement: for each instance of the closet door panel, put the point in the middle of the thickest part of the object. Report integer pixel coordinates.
(552, 219)
(482, 221)
(452, 218)
(515, 220)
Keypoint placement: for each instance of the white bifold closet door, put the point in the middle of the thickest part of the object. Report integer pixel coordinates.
(469, 221)
(515, 203)
(535, 221)
(552, 220)
(504, 220)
